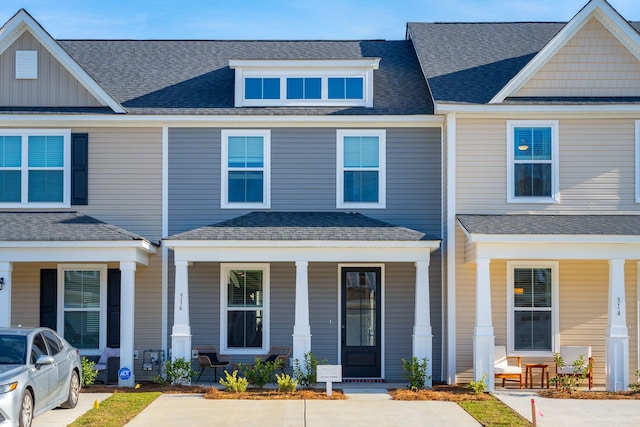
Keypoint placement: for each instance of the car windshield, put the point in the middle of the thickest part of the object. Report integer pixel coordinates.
(12, 349)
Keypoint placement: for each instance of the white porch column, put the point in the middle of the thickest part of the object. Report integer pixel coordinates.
(127, 319)
(422, 334)
(6, 268)
(181, 331)
(483, 338)
(617, 338)
(301, 327)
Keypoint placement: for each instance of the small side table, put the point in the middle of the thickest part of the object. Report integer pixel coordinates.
(528, 379)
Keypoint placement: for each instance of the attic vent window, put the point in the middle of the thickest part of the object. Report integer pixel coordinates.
(26, 64)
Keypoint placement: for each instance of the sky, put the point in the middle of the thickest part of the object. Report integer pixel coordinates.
(280, 19)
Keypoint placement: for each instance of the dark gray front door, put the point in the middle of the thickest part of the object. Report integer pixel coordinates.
(361, 354)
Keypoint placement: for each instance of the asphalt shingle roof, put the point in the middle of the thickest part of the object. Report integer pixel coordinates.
(59, 226)
(302, 226)
(603, 225)
(193, 76)
(472, 62)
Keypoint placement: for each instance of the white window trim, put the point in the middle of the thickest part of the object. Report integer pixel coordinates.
(266, 329)
(637, 161)
(66, 181)
(382, 168)
(555, 168)
(305, 68)
(102, 268)
(224, 167)
(555, 299)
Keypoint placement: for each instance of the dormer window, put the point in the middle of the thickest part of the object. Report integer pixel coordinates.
(347, 83)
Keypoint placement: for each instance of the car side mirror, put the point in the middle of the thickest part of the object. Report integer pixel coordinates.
(44, 360)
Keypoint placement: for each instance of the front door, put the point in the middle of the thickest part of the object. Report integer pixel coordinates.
(361, 351)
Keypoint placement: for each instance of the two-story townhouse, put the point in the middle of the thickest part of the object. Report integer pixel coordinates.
(541, 188)
(166, 194)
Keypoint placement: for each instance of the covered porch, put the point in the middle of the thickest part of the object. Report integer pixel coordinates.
(328, 259)
(56, 270)
(546, 281)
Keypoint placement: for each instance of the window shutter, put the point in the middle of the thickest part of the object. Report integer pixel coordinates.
(113, 308)
(49, 298)
(79, 169)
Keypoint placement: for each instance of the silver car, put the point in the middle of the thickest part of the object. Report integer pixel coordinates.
(39, 371)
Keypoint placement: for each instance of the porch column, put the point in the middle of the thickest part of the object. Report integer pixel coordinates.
(483, 338)
(181, 331)
(6, 268)
(301, 327)
(127, 319)
(422, 334)
(617, 338)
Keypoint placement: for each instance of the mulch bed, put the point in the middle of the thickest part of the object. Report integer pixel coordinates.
(593, 395)
(449, 393)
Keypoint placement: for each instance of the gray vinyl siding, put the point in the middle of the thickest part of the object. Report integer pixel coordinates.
(303, 176)
(399, 315)
(54, 87)
(324, 311)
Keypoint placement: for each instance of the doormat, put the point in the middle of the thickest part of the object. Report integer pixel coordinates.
(363, 380)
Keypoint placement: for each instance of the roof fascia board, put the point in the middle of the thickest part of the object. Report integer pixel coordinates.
(443, 108)
(599, 9)
(144, 245)
(348, 244)
(22, 22)
(427, 121)
(551, 238)
(48, 252)
(306, 63)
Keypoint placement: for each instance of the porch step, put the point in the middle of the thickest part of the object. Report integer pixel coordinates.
(363, 380)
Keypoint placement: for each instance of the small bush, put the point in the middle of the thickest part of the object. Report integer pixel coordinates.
(415, 372)
(479, 386)
(571, 383)
(233, 383)
(89, 372)
(260, 374)
(635, 387)
(306, 375)
(286, 384)
(178, 372)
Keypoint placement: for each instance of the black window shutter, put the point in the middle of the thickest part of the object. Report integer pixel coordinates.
(113, 308)
(49, 298)
(79, 169)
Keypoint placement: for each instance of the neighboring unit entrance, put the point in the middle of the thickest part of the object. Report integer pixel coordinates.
(361, 351)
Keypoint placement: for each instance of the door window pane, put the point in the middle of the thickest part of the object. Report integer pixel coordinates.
(361, 308)
(82, 305)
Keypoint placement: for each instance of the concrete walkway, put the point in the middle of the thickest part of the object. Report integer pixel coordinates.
(361, 409)
(573, 412)
(62, 417)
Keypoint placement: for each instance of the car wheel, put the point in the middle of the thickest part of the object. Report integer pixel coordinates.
(26, 410)
(74, 392)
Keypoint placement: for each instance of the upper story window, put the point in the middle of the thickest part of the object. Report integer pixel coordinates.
(361, 169)
(34, 168)
(532, 148)
(346, 83)
(246, 177)
(533, 312)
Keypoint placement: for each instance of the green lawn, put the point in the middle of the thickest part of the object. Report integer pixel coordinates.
(493, 413)
(117, 410)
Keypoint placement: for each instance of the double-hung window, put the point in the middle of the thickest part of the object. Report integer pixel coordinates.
(244, 308)
(533, 301)
(34, 168)
(246, 179)
(361, 169)
(82, 294)
(532, 148)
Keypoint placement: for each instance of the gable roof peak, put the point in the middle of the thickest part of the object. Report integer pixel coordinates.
(601, 10)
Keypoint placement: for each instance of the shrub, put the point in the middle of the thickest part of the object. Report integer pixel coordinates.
(286, 384)
(636, 387)
(306, 375)
(260, 374)
(89, 372)
(479, 386)
(571, 383)
(415, 372)
(178, 372)
(232, 383)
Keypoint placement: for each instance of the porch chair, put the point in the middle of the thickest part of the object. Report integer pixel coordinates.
(210, 357)
(279, 354)
(503, 369)
(571, 353)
